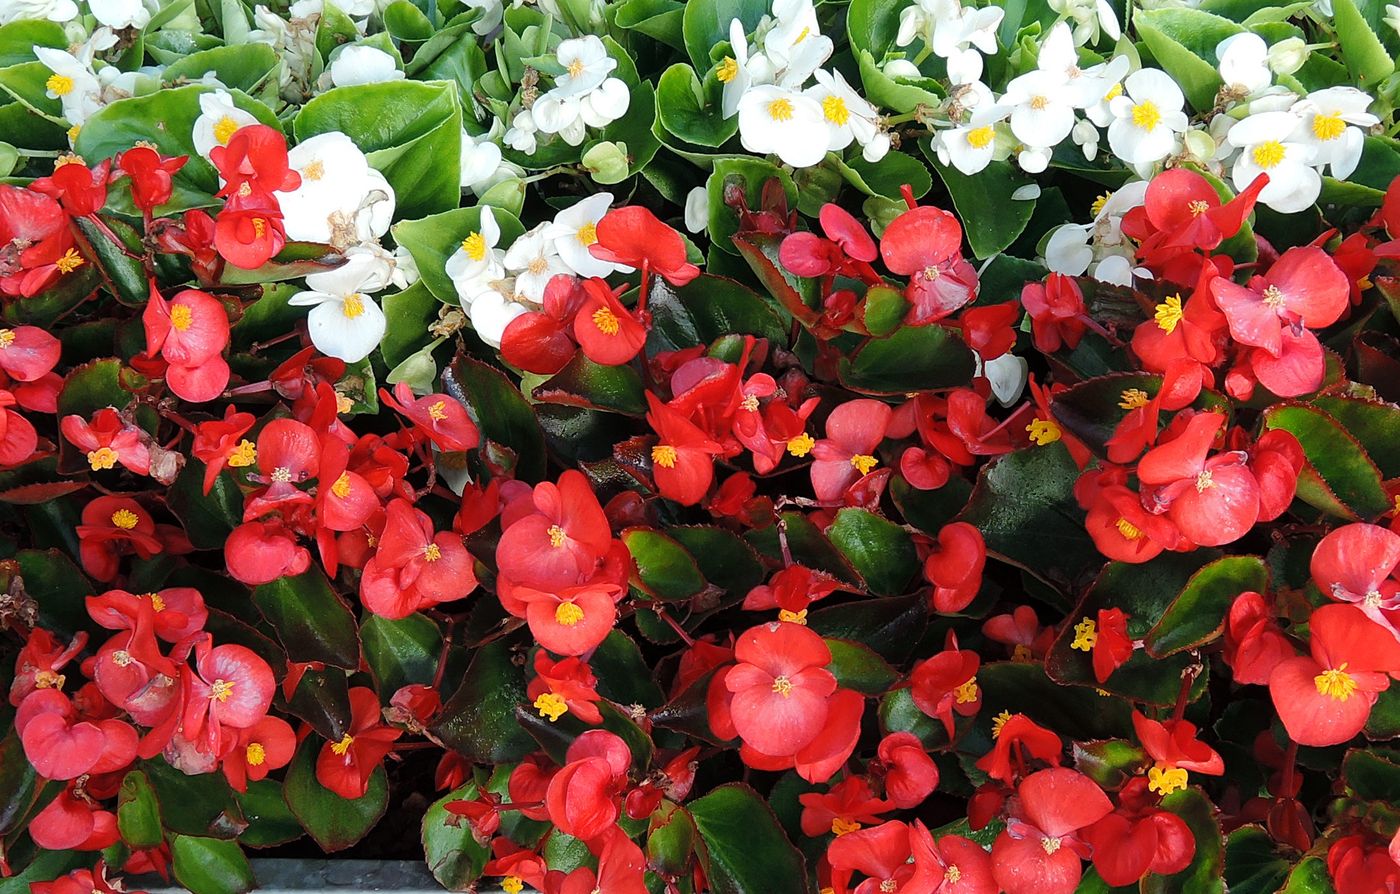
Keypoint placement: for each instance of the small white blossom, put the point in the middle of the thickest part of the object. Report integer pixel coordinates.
(697, 209)
(1331, 121)
(477, 262)
(783, 122)
(847, 115)
(341, 199)
(586, 65)
(1244, 63)
(363, 65)
(118, 14)
(52, 10)
(795, 45)
(1089, 17)
(1268, 145)
(534, 260)
(219, 119)
(344, 321)
(1147, 118)
(575, 229)
(72, 83)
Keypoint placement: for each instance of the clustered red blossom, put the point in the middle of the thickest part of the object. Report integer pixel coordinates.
(1180, 473)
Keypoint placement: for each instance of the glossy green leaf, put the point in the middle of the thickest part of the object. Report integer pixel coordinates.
(311, 620)
(1339, 478)
(202, 805)
(479, 719)
(882, 551)
(912, 358)
(744, 849)
(664, 569)
(501, 412)
(432, 240)
(706, 23)
(454, 856)
(210, 865)
(1365, 57)
(207, 518)
(335, 823)
(402, 651)
(992, 218)
(138, 811)
(270, 820)
(1109, 762)
(857, 666)
(1253, 863)
(1197, 616)
(583, 383)
(707, 308)
(19, 784)
(1092, 410)
(687, 113)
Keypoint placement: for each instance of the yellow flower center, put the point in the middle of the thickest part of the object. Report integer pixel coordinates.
(538, 265)
(1168, 314)
(245, 454)
(1040, 102)
(1198, 207)
(568, 614)
(1274, 298)
(1113, 93)
(841, 826)
(157, 603)
(793, 617)
(576, 68)
(556, 536)
(73, 133)
(475, 246)
(343, 404)
(864, 462)
(803, 36)
(780, 110)
(1044, 431)
(315, 170)
(606, 321)
(47, 679)
(999, 723)
(980, 137)
(121, 658)
(664, 455)
(512, 884)
(70, 261)
(551, 706)
(967, 693)
(1133, 399)
(224, 129)
(1204, 481)
(1128, 529)
(102, 458)
(952, 875)
(588, 233)
(1099, 203)
(437, 411)
(7, 338)
(1086, 634)
(125, 519)
(1021, 654)
(343, 745)
(221, 690)
(728, 70)
(181, 317)
(1164, 780)
(749, 403)
(1328, 126)
(801, 445)
(1268, 154)
(256, 754)
(1050, 844)
(782, 686)
(834, 109)
(432, 552)
(352, 306)
(1336, 683)
(341, 487)
(59, 85)
(1146, 115)
(282, 475)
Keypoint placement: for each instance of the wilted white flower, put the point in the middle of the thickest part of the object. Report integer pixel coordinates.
(341, 199)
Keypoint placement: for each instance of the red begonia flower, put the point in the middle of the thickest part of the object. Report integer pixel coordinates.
(232, 687)
(1212, 501)
(413, 568)
(1254, 642)
(564, 687)
(152, 176)
(947, 683)
(954, 567)
(780, 687)
(37, 227)
(560, 533)
(260, 552)
(27, 353)
(849, 805)
(82, 191)
(1356, 564)
(910, 774)
(345, 767)
(542, 341)
(1174, 749)
(846, 454)
(632, 236)
(1057, 313)
(885, 855)
(438, 417)
(1040, 851)
(1016, 742)
(255, 157)
(258, 750)
(683, 458)
(1325, 697)
(608, 333)
(583, 799)
(108, 440)
(1138, 838)
(925, 244)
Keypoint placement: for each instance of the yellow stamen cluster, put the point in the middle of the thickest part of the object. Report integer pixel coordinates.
(551, 705)
(125, 519)
(1044, 431)
(801, 445)
(1086, 634)
(1164, 780)
(664, 455)
(568, 614)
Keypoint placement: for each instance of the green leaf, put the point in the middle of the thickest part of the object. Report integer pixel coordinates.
(432, 240)
(501, 411)
(882, 551)
(19, 38)
(914, 358)
(19, 787)
(724, 559)
(623, 675)
(707, 308)
(1370, 776)
(408, 314)
(664, 569)
(1366, 58)
(1253, 864)
(872, 25)
(243, 67)
(322, 699)
(92, 387)
(401, 652)
(207, 518)
(748, 174)
(1339, 477)
(335, 823)
(891, 627)
(1375, 426)
(124, 273)
(706, 23)
(899, 714)
(1197, 616)
(1203, 876)
(1109, 762)
(202, 805)
(1023, 503)
(411, 132)
(856, 666)
(52, 580)
(406, 22)
(671, 837)
(807, 544)
(992, 218)
(1183, 42)
(888, 176)
(270, 820)
(479, 719)
(454, 856)
(583, 383)
(1310, 876)
(1024, 688)
(744, 850)
(210, 865)
(687, 113)
(138, 811)
(658, 19)
(311, 620)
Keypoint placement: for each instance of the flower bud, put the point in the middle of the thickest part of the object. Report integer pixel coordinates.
(1288, 55)
(607, 162)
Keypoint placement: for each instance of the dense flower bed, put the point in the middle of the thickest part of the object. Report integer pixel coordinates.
(912, 447)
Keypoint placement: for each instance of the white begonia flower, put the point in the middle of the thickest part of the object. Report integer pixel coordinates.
(491, 313)
(795, 45)
(344, 321)
(52, 10)
(341, 199)
(738, 72)
(958, 40)
(1268, 146)
(586, 65)
(901, 68)
(405, 268)
(1244, 63)
(1086, 87)
(118, 14)
(783, 122)
(492, 11)
(482, 164)
(1331, 122)
(1034, 159)
(1006, 374)
(697, 209)
(1068, 251)
(1089, 17)
(381, 266)
(921, 20)
(72, 83)
(1086, 137)
(363, 65)
(576, 228)
(520, 136)
(970, 146)
(1147, 118)
(1042, 114)
(477, 262)
(847, 115)
(606, 104)
(555, 114)
(534, 260)
(1118, 270)
(1392, 17)
(219, 119)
